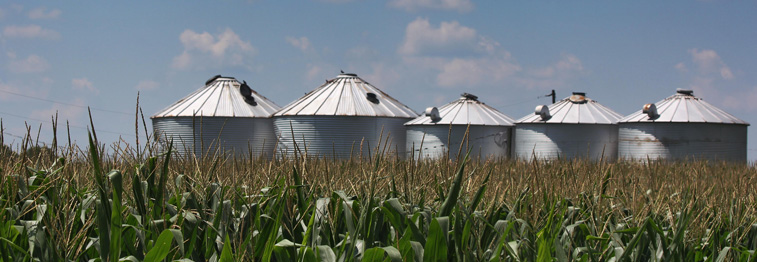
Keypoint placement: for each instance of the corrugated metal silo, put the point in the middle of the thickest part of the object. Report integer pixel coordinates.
(682, 126)
(442, 130)
(575, 127)
(343, 117)
(223, 115)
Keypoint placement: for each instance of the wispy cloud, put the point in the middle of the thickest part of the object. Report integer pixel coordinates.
(708, 61)
(448, 5)
(83, 84)
(423, 38)
(43, 13)
(302, 43)
(460, 56)
(204, 50)
(29, 31)
(30, 64)
(147, 85)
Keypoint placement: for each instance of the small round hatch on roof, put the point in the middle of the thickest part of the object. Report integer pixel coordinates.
(687, 92)
(578, 97)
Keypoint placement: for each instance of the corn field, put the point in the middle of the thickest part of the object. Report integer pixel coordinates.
(140, 205)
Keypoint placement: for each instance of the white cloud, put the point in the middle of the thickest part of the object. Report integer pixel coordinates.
(681, 67)
(555, 75)
(29, 31)
(422, 38)
(361, 53)
(32, 64)
(147, 85)
(459, 56)
(17, 7)
(203, 50)
(708, 61)
(42, 13)
(7, 87)
(449, 5)
(83, 84)
(65, 112)
(383, 76)
(302, 43)
(470, 72)
(2, 13)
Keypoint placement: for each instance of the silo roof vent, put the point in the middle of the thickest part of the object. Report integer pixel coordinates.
(469, 96)
(578, 97)
(543, 112)
(687, 92)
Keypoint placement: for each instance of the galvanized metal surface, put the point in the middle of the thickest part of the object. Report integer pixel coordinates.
(679, 141)
(484, 141)
(684, 107)
(220, 98)
(575, 109)
(231, 135)
(464, 111)
(339, 136)
(347, 95)
(567, 141)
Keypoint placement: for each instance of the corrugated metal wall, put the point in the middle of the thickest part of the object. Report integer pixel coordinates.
(485, 141)
(232, 135)
(678, 141)
(339, 136)
(550, 141)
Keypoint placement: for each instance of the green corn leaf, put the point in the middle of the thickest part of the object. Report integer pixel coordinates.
(226, 252)
(160, 250)
(454, 190)
(436, 242)
(116, 219)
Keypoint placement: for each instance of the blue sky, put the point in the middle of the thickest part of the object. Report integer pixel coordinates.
(59, 56)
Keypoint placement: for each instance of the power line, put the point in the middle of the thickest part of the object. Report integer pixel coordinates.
(64, 103)
(74, 126)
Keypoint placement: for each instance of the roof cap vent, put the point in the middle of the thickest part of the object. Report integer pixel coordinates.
(543, 112)
(212, 79)
(687, 92)
(347, 75)
(578, 97)
(433, 113)
(469, 96)
(651, 111)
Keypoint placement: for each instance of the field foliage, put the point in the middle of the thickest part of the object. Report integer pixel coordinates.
(135, 204)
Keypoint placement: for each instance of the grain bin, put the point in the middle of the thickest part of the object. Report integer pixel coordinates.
(575, 127)
(224, 115)
(442, 130)
(344, 117)
(682, 126)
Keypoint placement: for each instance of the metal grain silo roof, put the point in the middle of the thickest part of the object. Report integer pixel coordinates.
(221, 97)
(682, 107)
(575, 109)
(463, 111)
(347, 95)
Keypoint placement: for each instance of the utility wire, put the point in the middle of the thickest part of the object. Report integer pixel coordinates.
(64, 103)
(74, 126)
